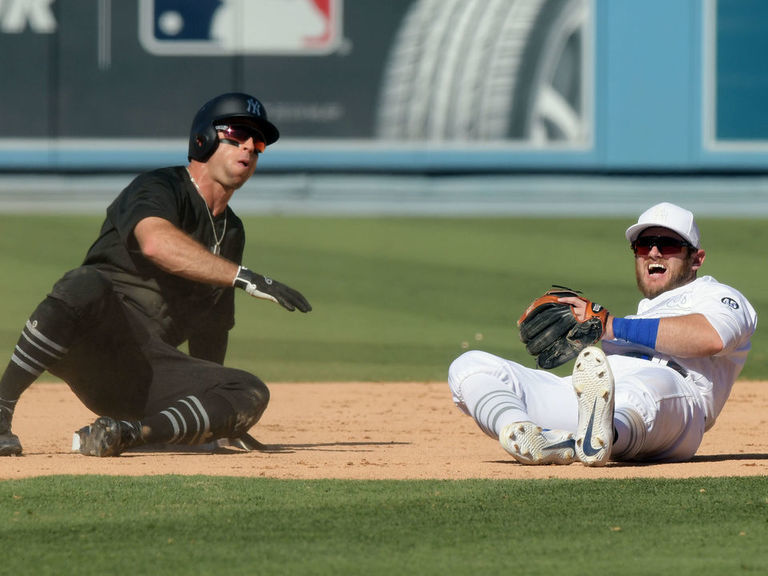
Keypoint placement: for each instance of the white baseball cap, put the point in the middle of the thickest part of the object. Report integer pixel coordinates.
(667, 215)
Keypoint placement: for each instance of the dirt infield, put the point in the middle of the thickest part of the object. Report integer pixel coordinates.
(366, 431)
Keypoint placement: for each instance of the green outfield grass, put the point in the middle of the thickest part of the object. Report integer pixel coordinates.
(396, 299)
(199, 525)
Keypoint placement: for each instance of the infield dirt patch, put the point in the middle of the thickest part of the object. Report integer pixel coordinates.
(365, 431)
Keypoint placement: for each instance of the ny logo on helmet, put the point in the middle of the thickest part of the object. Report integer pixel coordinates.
(254, 107)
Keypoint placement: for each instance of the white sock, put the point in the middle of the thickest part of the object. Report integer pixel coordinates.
(630, 434)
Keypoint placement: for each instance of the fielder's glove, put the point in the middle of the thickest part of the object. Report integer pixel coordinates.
(260, 286)
(551, 332)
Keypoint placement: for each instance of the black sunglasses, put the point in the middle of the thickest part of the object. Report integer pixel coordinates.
(666, 245)
(240, 134)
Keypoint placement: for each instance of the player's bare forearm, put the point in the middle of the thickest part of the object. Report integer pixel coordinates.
(173, 251)
(689, 336)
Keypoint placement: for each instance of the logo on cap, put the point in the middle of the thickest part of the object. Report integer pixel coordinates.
(254, 107)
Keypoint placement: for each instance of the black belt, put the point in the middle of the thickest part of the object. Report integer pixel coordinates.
(663, 362)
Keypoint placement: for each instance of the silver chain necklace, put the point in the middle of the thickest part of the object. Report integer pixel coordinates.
(216, 248)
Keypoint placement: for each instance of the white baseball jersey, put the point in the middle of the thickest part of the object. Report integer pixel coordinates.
(729, 313)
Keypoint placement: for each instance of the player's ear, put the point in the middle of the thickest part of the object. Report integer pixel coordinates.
(697, 259)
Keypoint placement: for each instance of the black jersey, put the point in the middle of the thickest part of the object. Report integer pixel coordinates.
(174, 307)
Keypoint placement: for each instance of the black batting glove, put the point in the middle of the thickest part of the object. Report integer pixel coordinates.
(265, 288)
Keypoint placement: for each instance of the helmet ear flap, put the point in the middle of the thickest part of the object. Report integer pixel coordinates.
(203, 143)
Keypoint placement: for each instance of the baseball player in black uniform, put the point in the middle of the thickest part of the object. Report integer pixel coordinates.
(161, 272)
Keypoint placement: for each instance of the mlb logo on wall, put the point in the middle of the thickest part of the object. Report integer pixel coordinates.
(225, 27)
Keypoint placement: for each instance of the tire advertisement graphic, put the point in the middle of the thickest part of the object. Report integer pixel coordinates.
(489, 70)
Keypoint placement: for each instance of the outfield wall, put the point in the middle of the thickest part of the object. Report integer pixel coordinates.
(567, 195)
(397, 86)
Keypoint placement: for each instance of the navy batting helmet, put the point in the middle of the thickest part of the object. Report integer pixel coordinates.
(234, 105)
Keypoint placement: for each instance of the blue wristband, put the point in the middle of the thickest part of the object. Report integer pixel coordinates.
(638, 330)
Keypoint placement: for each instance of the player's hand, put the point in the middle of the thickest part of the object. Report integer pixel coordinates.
(578, 306)
(265, 288)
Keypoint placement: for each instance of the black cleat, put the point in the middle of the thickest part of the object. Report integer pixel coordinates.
(105, 437)
(9, 442)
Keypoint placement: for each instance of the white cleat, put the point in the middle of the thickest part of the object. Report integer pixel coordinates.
(532, 444)
(593, 383)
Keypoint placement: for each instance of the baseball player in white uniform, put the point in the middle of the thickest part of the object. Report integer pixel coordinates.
(660, 381)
